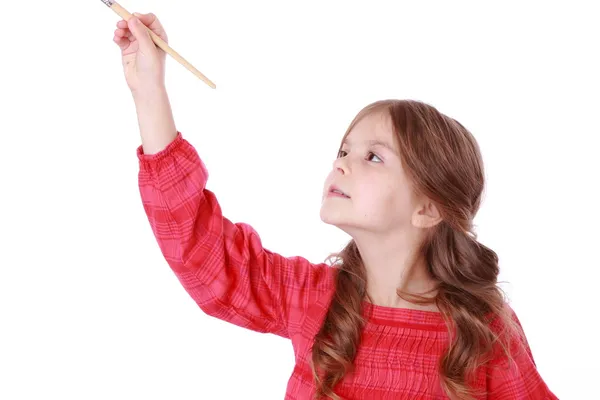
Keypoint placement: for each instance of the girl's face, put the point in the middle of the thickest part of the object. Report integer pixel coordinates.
(377, 196)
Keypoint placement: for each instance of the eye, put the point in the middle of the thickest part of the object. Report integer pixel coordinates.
(341, 153)
(371, 157)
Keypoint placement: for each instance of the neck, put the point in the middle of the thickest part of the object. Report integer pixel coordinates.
(392, 262)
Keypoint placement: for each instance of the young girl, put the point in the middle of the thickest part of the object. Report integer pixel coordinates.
(411, 307)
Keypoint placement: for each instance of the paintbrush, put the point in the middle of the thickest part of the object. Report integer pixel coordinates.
(126, 15)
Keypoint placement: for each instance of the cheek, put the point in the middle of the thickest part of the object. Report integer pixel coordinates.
(386, 199)
(375, 193)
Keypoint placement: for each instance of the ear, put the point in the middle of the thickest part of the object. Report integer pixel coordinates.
(426, 215)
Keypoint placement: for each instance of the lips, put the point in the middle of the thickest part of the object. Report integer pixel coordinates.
(336, 191)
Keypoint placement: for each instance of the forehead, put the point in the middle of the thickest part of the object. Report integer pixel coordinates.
(375, 128)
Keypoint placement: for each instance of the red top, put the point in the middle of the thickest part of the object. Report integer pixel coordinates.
(231, 276)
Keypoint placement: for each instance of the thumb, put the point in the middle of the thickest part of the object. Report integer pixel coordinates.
(141, 34)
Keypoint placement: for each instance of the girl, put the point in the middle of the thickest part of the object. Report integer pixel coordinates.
(409, 309)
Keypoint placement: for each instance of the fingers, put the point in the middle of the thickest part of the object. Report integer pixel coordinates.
(122, 32)
(141, 34)
(152, 22)
(127, 31)
(122, 35)
(122, 42)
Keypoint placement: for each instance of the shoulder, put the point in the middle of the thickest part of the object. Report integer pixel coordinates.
(305, 288)
(511, 372)
(510, 339)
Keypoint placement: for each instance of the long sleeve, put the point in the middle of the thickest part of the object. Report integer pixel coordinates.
(222, 265)
(517, 378)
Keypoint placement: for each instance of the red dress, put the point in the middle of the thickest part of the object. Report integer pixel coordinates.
(231, 276)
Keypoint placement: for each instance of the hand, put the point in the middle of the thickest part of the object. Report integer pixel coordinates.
(143, 62)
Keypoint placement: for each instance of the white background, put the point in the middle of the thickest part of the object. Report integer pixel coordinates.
(89, 309)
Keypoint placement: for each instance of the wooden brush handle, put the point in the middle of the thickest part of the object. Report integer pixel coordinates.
(126, 15)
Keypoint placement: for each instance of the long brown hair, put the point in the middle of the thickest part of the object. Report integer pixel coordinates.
(444, 163)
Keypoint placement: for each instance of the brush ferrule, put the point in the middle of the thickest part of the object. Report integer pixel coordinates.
(109, 3)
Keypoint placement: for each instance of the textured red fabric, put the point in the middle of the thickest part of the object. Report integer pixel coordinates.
(231, 276)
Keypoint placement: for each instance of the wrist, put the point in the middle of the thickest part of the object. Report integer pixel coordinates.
(149, 94)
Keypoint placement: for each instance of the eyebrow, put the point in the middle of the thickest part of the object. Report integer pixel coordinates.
(376, 142)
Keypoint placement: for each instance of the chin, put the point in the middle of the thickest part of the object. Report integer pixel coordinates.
(336, 219)
(331, 217)
(326, 217)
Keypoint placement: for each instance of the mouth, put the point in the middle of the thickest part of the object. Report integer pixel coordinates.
(334, 191)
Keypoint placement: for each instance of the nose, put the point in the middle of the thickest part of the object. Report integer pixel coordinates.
(340, 165)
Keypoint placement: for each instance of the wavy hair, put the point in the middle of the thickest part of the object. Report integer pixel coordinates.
(444, 163)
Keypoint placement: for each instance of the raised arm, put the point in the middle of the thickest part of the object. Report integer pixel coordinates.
(221, 264)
